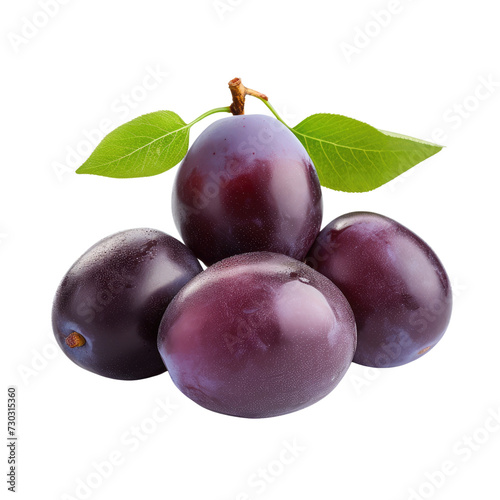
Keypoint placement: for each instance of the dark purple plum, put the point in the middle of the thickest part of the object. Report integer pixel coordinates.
(247, 184)
(109, 305)
(397, 287)
(257, 335)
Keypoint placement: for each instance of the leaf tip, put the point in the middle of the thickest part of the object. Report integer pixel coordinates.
(82, 169)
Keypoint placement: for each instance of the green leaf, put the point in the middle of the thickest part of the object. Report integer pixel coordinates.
(145, 146)
(352, 156)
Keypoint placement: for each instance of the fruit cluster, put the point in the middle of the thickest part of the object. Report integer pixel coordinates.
(273, 323)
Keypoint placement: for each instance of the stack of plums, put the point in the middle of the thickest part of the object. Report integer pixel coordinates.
(273, 323)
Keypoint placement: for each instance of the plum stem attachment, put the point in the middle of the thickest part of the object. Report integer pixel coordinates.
(275, 113)
(225, 109)
(75, 340)
(239, 92)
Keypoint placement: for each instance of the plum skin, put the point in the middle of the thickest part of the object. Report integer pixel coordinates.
(247, 184)
(395, 283)
(114, 296)
(257, 335)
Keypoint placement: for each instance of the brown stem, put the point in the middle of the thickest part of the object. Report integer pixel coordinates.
(75, 340)
(239, 92)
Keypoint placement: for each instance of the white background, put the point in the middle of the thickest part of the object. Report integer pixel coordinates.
(382, 434)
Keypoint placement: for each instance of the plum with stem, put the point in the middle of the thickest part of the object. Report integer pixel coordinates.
(247, 184)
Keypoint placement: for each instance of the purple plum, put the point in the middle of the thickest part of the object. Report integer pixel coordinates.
(257, 335)
(397, 287)
(247, 184)
(109, 305)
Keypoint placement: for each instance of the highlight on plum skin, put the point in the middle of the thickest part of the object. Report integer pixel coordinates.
(257, 335)
(109, 305)
(247, 184)
(395, 283)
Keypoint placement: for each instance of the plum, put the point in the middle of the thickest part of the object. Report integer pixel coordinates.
(396, 285)
(247, 184)
(257, 335)
(109, 305)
